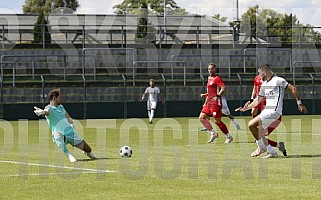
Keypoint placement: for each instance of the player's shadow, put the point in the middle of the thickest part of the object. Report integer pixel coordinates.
(303, 156)
(92, 160)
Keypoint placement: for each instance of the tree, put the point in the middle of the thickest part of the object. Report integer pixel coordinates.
(220, 18)
(154, 6)
(40, 28)
(46, 6)
(270, 23)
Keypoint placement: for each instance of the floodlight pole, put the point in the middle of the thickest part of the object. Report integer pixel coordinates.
(165, 24)
(237, 10)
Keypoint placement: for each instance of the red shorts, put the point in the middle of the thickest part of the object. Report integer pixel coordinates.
(261, 105)
(214, 111)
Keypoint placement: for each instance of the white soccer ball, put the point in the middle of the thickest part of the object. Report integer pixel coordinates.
(125, 152)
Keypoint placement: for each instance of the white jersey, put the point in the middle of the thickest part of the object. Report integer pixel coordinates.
(152, 93)
(273, 91)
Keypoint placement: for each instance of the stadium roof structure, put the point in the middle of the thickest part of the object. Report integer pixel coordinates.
(113, 29)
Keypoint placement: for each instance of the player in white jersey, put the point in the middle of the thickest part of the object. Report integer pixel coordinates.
(152, 93)
(272, 90)
(226, 112)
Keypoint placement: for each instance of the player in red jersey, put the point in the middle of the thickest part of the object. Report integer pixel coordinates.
(213, 105)
(256, 88)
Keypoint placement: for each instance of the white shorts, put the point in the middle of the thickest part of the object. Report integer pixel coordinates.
(268, 117)
(151, 105)
(225, 109)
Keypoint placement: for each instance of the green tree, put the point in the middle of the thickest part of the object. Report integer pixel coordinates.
(270, 23)
(142, 23)
(46, 6)
(220, 18)
(40, 28)
(154, 6)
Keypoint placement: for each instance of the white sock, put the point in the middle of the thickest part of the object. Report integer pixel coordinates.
(151, 115)
(270, 149)
(260, 144)
(212, 132)
(228, 135)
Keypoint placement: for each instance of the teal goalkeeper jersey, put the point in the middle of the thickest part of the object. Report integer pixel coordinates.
(57, 120)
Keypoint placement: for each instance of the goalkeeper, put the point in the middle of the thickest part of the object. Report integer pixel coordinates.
(61, 125)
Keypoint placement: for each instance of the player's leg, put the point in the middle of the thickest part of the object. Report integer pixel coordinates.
(203, 117)
(254, 112)
(269, 130)
(152, 111)
(148, 110)
(217, 115)
(59, 140)
(226, 111)
(268, 118)
(256, 129)
(77, 141)
(84, 146)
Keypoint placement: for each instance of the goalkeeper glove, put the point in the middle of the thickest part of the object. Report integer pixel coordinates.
(38, 111)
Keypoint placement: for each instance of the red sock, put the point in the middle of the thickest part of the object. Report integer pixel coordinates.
(223, 127)
(272, 143)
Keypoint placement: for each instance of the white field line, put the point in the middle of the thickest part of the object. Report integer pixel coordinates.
(57, 166)
(48, 174)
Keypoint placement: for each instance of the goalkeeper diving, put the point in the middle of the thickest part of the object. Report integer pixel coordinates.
(62, 126)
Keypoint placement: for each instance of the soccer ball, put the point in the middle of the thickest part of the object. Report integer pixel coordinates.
(125, 152)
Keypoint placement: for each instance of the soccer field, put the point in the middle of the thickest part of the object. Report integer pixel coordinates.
(171, 160)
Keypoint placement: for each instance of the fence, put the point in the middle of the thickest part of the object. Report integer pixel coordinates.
(174, 34)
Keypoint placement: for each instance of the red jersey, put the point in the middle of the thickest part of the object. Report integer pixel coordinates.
(213, 87)
(257, 83)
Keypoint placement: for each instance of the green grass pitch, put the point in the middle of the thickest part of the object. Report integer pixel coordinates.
(171, 160)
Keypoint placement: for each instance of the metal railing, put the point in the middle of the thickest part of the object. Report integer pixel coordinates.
(133, 53)
(158, 62)
(230, 60)
(126, 34)
(262, 50)
(300, 62)
(33, 57)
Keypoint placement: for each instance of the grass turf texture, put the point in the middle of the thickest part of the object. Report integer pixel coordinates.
(171, 160)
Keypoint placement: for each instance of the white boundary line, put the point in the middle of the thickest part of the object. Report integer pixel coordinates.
(46, 174)
(57, 166)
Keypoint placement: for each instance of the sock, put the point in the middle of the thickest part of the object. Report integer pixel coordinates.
(228, 135)
(207, 124)
(272, 143)
(260, 144)
(60, 143)
(234, 122)
(151, 115)
(223, 127)
(270, 149)
(212, 132)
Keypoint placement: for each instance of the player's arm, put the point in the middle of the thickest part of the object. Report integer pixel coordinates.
(295, 93)
(70, 120)
(222, 91)
(254, 103)
(39, 111)
(253, 92)
(252, 96)
(143, 97)
(204, 95)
